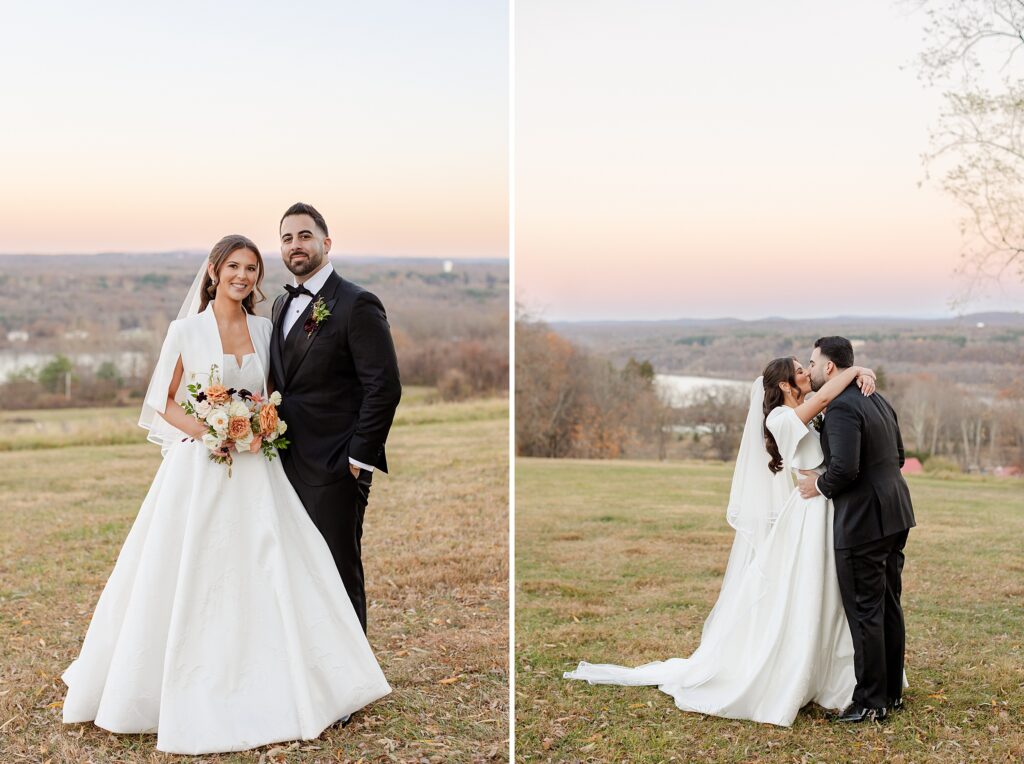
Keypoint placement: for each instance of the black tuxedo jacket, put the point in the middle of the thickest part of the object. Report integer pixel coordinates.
(340, 384)
(863, 449)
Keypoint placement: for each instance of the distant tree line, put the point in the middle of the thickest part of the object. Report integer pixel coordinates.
(984, 354)
(450, 328)
(458, 367)
(570, 402)
(947, 426)
(948, 423)
(60, 384)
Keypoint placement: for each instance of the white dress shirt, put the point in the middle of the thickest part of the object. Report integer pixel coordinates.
(298, 306)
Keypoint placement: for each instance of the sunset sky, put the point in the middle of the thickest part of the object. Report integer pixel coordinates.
(741, 159)
(148, 127)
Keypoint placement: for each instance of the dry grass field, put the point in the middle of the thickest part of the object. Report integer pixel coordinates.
(435, 551)
(621, 562)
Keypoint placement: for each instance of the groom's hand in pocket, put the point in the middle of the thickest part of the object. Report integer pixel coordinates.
(354, 469)
(808, 484)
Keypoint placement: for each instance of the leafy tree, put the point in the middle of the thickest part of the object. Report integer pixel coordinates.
(107, 371)
(881, 378)
(51, 376)
(21, 376)
(643, 370)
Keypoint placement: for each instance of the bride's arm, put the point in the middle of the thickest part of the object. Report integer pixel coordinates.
(174, 414)
(814, 405)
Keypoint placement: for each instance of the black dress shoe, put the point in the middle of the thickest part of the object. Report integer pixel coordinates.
(895, 705)
(857, 713)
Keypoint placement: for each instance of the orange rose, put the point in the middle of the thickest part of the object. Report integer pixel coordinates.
(238, 428)
(217, 394)
(268, 419)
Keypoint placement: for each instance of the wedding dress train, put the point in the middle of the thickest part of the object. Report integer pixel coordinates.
(777, 638)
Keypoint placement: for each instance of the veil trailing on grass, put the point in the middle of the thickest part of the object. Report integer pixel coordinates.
(756, 497)
(160, 432)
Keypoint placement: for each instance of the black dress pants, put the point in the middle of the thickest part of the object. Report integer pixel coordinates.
(337, 510)
(870, 582)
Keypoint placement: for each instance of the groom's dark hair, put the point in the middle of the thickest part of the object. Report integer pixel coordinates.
(301, 208)
(838, 350)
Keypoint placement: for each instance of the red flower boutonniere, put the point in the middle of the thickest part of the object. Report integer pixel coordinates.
(317, 317)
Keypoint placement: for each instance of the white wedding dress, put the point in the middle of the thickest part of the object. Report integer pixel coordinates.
(777, 638)
(224, 624)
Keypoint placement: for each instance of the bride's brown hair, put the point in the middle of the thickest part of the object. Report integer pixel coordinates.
(777, 371)
(231, 243)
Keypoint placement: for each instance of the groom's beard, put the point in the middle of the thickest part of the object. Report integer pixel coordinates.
(312, 261)
(816, 384)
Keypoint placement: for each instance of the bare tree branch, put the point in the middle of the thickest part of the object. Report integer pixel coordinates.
(977, 144)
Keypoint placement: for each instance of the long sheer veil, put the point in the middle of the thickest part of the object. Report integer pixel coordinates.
(756, 497)
(160, 432)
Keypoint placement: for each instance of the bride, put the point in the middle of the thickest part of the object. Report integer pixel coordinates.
(777, 638)
(224, 625)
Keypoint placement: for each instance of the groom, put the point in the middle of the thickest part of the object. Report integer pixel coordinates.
(863, 456)
(334, 363)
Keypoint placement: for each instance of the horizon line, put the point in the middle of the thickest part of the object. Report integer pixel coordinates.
(733, 319)
(204, 253)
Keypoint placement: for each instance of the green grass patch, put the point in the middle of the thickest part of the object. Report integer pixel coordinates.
(62, 428)
(435, 550)
(621, 562)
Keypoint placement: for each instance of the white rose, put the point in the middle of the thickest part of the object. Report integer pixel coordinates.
(211, 441)
(271, 437)
(237, 408)
(275, 398)
(218, 420)
(281, 426)
(202, 408)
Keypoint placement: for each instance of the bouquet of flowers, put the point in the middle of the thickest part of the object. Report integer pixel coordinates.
(236, 419)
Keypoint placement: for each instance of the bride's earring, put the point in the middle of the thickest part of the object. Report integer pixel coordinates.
(787, 391)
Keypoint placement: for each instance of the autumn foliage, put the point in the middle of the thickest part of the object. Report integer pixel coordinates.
(570, 403)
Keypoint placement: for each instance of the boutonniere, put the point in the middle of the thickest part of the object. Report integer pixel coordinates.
(317, 317)
(818, 421)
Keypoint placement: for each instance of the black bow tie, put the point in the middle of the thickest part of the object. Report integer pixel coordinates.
(295, 291)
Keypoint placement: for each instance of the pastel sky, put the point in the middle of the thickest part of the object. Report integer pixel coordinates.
(741, 159)
(154, 126)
